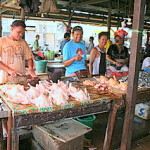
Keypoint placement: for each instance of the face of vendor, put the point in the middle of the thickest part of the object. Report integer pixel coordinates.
(118, 40)
(17, 32)
(103, 40)
(77, 36)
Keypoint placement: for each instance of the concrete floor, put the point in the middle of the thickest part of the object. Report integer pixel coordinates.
(140, 139)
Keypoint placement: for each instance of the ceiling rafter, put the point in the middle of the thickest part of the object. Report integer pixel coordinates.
(91, 2)
(88, 11)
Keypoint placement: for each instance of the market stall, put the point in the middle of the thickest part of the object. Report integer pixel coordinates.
(25, 115)
(17, 120)
(100, 101)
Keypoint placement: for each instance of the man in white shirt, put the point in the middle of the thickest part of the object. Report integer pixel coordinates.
(90, 45)
(146, 63)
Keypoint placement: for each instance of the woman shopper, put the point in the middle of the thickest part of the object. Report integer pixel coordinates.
(97, 65)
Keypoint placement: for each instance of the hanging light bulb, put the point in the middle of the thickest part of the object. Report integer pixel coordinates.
(129, 21)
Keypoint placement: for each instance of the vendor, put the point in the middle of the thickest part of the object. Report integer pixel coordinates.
(13, 53)
(74, 53)
(118, 55)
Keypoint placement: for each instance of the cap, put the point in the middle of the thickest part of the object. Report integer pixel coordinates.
(77, 28)
(18, 23)
(121, 33)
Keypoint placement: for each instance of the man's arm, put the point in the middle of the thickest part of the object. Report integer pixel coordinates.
(31, 71)
(10, 71)
(70, 61)
(110, 59)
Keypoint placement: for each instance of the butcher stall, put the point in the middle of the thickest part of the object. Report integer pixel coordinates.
(49, 102)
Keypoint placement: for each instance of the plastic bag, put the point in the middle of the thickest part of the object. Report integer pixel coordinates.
(48, 6)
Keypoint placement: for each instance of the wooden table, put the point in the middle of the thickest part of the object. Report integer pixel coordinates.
(17, 121)
(4, 113)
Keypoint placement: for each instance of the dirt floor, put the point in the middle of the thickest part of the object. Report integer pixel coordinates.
(141, 129)
(94, 140)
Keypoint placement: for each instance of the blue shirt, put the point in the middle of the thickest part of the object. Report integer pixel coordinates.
(62, 44)
(72, 49)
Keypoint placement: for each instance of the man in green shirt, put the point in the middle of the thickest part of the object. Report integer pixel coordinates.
(36, 44)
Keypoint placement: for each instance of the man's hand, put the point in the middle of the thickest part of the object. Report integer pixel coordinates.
(78, 58)
(14, 73)
(32, 72)
(89, 75)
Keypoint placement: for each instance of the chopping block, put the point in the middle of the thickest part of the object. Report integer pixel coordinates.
(61, 135)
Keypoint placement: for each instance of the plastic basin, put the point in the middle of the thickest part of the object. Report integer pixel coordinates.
(41, 66)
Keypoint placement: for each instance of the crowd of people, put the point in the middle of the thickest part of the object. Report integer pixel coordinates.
(74, 54)
(115, 56)
(14, 51)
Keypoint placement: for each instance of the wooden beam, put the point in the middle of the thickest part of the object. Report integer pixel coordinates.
(131, 97)
(4, 2)
(8, 8)
(97, 8)
(0, 26)
(92, 2)
(109, 17)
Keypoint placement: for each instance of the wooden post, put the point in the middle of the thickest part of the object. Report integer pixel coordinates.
(137, 28)
(0, 26)
(109, 17)
(1, 135)
(69, 22)
(15, 135)
(9, 125)
(148, 37)
(111, 124)
(22, 14)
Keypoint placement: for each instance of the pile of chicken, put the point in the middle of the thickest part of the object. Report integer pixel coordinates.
(112, 82)
(105, 83)
(98, 86)
(45, 94)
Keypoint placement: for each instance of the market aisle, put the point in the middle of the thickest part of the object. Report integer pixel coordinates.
(142, 144)
(141, 129)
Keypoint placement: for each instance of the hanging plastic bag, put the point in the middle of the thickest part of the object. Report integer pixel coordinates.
(48, 6)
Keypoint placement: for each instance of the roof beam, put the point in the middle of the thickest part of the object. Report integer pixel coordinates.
(4, 2)
(100, 8)
(92, 2)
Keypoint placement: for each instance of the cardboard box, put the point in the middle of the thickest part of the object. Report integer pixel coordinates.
(61, 135)
(142, 110)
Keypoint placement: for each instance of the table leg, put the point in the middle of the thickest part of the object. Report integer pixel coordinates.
(15, 140)
(110, 126)
(9, 126)
(1, 135)
(15, 135)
